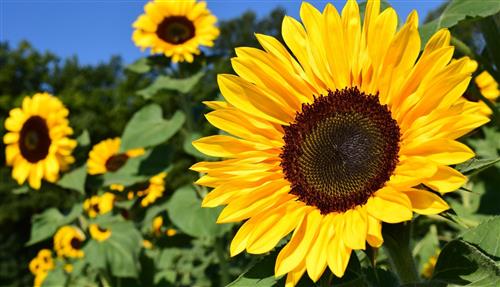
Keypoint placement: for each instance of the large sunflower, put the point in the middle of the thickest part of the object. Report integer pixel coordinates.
(99, 233)
(175, 28)
(99, 204)
(37, 143)
(68, 242)
(352, 129)
(106, 157)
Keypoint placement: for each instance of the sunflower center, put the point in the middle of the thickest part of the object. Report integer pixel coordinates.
(34, 141)
(176, 30)
(75, 243)
(340, 150)
(115, 162)
(102, 229)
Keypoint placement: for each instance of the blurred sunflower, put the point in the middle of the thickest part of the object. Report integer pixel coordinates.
(429, 266)
(106, 157)
(154, 189)
(488, 88)
(99, 233)
(68, 242)
(99, 204)
(175, 28)
(157, 224)
(337, 138)
(37, 140)
(43, 262)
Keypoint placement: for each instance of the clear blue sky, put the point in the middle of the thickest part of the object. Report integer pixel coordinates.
(96, 29)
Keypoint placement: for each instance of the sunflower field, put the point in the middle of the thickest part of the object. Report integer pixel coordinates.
(346, 147)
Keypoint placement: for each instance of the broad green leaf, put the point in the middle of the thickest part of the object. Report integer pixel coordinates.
(75, 179)
(148, 128)
(456, 11)
(140, 66)
(55, 277)
(476, 165)
(45, 224)
(185, 211)
(463, 264)
(151, 213)
(167, 83)
(486, 236)
(261, 274)
(120, 252)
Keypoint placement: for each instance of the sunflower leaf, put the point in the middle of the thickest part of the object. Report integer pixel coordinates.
(120, 252)
(456, 11)
(140, 66)
(148, 128)
(183, 86)
(186, 212)
(476, 165)
(75, 179)
(55, 277)
(485, 236)
(44, 225)
(260, 274)
(462, 263)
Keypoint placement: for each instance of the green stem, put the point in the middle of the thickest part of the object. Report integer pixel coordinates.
(462, 47)
(397, 247)
(186, 108)
(224, 267)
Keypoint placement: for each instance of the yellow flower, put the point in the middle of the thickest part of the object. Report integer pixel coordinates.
(68, 242)
(106, 157)
(117, 187)
(37, 143)
(68, 268)
(171, 232)
(96, 204)
(488, 88)
(175, 28)
(98, 233)
(154, 190)
(157, 223)
(429, 266)
(147, 244)
(337, 138)
(42, 263)
(39, 278)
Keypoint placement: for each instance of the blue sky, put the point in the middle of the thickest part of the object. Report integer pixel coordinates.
(97, 29)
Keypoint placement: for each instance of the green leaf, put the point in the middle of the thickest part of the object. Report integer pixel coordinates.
(75, 179)
(463, 264)
(120, 252)
(476, 165)
(189, 148)
(55, 277)
(261, 274)
(486, 236)
(456, 11)
(186, 212)
(44, 225)
(148, 128)
(83, 139)
(183, 86)
(140, 66)
(427, 247)
(151, 213)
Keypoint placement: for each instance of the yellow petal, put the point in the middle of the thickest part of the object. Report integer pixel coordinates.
(390, 206)
(317, 256)
(374, 236)
(426, 202)
(355, 228)
(442, 151)
(338, 255)
(225, 146)
(446, 179)
(294, 276)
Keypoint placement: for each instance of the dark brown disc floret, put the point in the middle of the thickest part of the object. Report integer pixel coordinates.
(176, 30)
(34, 139)
(340, 150)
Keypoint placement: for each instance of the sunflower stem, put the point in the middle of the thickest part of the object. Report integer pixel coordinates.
(397, 247)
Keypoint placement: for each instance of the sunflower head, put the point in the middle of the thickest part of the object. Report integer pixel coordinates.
(42, 263)
(106, 157)
(154, 189)
(99, 204)
(346, 127)
(37, 140)
(68, 242)
(175, 28)
(157, 224)
(99, 233)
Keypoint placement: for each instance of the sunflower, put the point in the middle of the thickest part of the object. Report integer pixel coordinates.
(37, 143)
(43, 262)
(175, 28)
(68, 242)
(354, 129)
(96, 204)
(488, 87)
(99, 233)
(154, 189)
(157, 224)
(106, 157)
(429, 266)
